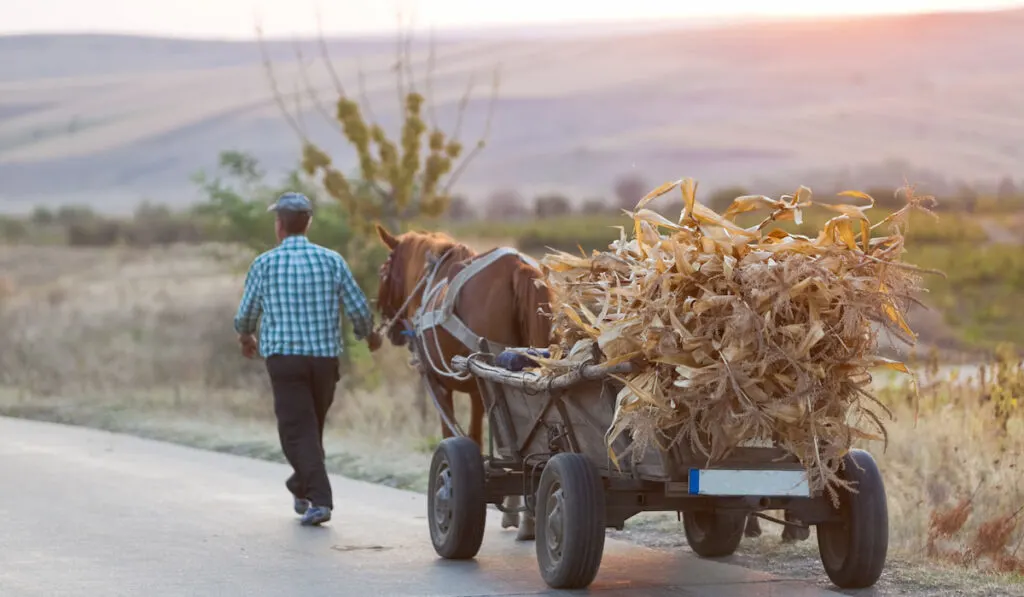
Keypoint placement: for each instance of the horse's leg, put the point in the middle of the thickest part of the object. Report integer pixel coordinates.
(794, 534)
(444, 400)
(753, 528)
(512, 502)
(527, 528)
(476, 433)
(476, 418)
(510, 520)
(524, 521)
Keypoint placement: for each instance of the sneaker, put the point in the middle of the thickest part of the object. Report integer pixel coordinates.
(316, 515)
(301, 505)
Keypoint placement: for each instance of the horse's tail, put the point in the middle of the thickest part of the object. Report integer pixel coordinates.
(533, 306)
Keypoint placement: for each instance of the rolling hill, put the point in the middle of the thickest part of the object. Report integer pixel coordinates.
(109, 120)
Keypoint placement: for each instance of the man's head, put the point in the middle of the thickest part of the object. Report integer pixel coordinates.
(294, 213)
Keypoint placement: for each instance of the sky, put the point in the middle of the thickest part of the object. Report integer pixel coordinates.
(233, 19)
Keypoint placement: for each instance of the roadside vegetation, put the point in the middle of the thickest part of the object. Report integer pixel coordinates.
(125, 324)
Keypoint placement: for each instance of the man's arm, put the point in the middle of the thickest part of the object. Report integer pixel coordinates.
(354, 302)
(251, 306)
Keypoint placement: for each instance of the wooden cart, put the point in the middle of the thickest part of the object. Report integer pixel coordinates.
(547, 444)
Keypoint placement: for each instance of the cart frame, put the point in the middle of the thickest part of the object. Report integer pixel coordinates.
(559, 422)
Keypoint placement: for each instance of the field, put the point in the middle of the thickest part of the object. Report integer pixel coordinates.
(125, 323)
(106, 121)
(139, 340)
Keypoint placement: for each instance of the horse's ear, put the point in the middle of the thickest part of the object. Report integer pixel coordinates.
(386, 237)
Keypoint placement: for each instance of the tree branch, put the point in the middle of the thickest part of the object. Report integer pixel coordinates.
(463, 104)
(298, 111)
(429, 80)
(278, 98)
(407, 52)
(389, 166)
(300, 121)
(364, 100)
(398, 67)
(326, 55)
(479, 146)
(314, 97)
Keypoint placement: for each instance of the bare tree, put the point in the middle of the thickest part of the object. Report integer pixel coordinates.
(1007, 189)
(398, 180)
(596, 205)
(506, 204)
(459, 209)
(629, 190)
(551, 205)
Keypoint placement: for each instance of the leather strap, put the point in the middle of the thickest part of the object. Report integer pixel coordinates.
(444, 316)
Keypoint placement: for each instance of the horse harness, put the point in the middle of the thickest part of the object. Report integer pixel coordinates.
(437, 309)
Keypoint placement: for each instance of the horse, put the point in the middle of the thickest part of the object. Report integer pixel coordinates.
(504, 303)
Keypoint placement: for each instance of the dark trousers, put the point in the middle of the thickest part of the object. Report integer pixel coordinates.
(303, 392)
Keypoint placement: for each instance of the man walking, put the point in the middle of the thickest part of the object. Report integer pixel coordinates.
(299, 289)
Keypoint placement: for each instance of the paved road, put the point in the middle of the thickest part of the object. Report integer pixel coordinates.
(101, 515)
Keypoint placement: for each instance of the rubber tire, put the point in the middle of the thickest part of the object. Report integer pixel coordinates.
(468, 500)
(714, 534)
(584, 521)
(867, 515)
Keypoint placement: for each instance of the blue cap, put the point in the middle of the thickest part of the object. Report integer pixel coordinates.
(291, 202)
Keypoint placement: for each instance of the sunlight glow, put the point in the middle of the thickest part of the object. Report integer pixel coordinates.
(234, 18)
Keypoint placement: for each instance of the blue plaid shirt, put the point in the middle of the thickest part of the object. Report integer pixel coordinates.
(298, 288)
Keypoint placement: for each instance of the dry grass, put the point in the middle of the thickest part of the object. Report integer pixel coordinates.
(964, 493)
(953, 468)
(141, 342)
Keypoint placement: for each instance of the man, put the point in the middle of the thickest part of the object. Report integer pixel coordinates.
(298, 288)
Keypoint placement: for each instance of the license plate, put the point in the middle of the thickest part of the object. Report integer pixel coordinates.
(789, 483)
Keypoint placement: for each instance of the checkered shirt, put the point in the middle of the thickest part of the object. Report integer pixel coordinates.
(298, 288)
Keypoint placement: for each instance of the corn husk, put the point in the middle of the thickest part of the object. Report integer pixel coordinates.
(741, 333)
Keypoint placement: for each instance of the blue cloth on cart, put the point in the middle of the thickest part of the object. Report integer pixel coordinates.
(517, 361)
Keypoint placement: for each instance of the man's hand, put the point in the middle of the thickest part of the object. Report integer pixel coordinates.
(373, 341)
(249, 345)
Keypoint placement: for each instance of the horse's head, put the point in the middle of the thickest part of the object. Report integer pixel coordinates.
(391, 290)
(410, 256)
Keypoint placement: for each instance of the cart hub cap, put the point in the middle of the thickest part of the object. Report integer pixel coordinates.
(443, 499)
(554, 525)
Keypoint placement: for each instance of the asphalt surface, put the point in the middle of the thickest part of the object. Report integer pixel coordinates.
(89, 513)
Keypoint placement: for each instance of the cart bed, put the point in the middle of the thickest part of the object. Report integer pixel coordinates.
(578, 407)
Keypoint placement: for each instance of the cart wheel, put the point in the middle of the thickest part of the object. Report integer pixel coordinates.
(713, 534)
(570, 522)
(853, 550)
(456, 503)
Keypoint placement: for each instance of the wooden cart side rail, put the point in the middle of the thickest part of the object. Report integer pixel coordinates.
(533, 382)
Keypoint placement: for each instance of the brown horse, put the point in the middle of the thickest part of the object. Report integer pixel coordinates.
(502, 303)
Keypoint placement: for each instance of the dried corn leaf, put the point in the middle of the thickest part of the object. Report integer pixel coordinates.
(745, 334)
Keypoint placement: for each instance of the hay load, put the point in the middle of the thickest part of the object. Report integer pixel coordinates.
(741, 333)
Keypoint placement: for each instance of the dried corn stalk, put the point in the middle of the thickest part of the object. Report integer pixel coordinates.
(742, 333)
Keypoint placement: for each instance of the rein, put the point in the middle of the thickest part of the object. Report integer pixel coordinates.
(427, 276)
(437, 308)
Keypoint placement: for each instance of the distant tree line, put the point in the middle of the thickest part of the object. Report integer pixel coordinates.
(236, 196)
